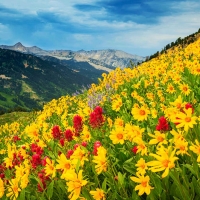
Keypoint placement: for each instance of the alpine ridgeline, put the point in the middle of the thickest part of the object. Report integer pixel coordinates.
(100, 59)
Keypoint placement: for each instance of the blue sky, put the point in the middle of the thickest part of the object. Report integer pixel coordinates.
(139, 27)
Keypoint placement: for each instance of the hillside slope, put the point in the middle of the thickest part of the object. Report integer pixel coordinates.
(28, 81)
(135, 135)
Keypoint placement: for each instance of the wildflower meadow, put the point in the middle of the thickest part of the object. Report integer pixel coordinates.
(134, 135)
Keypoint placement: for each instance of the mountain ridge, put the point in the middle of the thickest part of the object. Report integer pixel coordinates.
(109, 58)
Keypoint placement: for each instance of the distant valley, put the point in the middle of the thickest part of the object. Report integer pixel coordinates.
(30, 76)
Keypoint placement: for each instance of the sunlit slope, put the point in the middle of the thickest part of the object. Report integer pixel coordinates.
(135, 135)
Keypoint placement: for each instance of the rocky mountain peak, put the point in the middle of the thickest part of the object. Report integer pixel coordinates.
(19, 47)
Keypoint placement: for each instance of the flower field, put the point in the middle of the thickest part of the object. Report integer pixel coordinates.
(135, 135)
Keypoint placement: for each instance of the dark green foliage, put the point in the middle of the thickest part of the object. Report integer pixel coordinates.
(29, 81)
(2, 98)
(81, 67)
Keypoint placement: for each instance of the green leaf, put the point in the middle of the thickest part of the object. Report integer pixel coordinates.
(86, 194)
(104, 185)
(157, 183)
(129, 169)
(184, 192)
(22, 195)
(62, 185)
(34, 180)
(120, 178)
(149, 130)
(135, 195)
(175, 198)
(78, 164)
(190, 168)
(50, 189)
(196, 186)
(128, 161)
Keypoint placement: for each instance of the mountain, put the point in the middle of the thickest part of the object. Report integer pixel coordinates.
(28, 81)
(30, 76)
(100, 59)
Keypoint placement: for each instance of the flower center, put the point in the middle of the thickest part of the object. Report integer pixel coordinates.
(142, 166)
(15, 189)
(67, 166)
(188, 119)
(142, 112)
(144, 183)
(160, 138)
(182, 148)
(185, 88)
(178, 105)
(119, 136)
(166, 163)
(51, 167)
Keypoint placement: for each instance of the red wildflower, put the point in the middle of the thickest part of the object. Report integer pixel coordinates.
(77, 124)
(162, 124)
(43, 179)
(37, 149)
(134, 149)
(56, 132)
(97, 144)
(16, 138)
(69, 153)
(17, 159)
(75, 146)
(96, 117)
(188, 105)
(43, 162)
(69, 135)
(84, 144)
(62, 142)
(36, 160)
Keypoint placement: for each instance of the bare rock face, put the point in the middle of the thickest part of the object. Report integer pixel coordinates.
(101, 59)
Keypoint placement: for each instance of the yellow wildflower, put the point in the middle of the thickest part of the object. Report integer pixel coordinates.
(196, 149)
(184, 89)
(24, 181)
(116, 104)
(140, 114)
(100, 160)
(185, 119)
(1, 188)
(64, 164)
(141, 166)
(85, 134)
(143, 186)
(49, 168)
(164, 161)
(158, 138)
(13, 189)
(178, 103)
(181, 146)
(141, 147)
(74, 184)
(170, 88)
(117, 135)
(79, 154)
(98, 194)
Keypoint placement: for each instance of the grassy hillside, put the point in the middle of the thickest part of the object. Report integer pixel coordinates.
(28, 82)
(135, 135)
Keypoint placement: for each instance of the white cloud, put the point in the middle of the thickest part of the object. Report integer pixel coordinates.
(142, 39)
